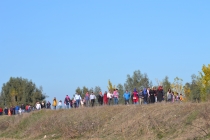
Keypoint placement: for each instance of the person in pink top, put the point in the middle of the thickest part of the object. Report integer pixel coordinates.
(116, 96)
(87, 99)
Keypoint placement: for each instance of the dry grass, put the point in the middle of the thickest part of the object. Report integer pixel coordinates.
(181, 121)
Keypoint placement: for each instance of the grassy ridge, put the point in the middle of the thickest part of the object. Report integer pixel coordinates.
(157, 121)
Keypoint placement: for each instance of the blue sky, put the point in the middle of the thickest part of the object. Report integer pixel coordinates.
(61, 45)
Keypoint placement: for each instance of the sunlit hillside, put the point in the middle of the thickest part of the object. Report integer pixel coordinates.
(179, 121)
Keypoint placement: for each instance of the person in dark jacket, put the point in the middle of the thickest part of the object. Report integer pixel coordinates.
(43, 105)
(160, 94)
(22, 108)
(48, 105)
(13, 110)
(100, 99)
(141, 97)
(6, 111)
(145, 94)
(132, 97)
(152, 95)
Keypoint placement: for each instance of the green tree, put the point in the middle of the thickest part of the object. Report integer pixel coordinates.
(19, 90)
(187, 91)
(84, 91)
(97, 90)
(166, 85)
(205, 78)
(121, 92)
(138, 81)
(79, 90)
(177, 86)
(110, 86)
(195, 88)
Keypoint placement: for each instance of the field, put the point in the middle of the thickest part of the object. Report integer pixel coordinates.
(178, 121)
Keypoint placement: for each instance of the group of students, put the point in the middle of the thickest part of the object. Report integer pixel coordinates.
(15, 110)
(151, 95)
(145, 96)
(18, 110)
(88, 100)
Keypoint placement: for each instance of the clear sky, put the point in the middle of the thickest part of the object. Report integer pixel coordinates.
(61, 45)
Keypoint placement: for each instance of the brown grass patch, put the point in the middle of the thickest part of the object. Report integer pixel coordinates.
(155, 121)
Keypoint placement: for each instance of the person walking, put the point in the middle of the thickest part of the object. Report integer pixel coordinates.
(169, 95)
(152, 95)
(160, 94)
(126, 97)
(6, 111)
(77, 98)
(1, 111)
(116, 96)
(145, 94)
(105, 98)
(67, 101)
(109, 96)
(87, 99)
(135, 96)
(22, 108)
(60, 104)
(100, 98)
(141, 97)
(48, 105)
(92, 99)
(54, 103)
(43, 105)
(17, 109)
(38, 106)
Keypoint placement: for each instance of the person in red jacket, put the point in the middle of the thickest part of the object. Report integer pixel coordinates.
(1, 111)
(105, 98)
(135, 96)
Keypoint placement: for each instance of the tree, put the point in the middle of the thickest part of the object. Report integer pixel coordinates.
(79, 90)
(110, 86)
(84, 91)
(21, 91)
(177, 86)
(121, 92)
(97, 90)
(166, 84)
(138, 81)
(195, 88)
(205, 78)
(91, 90)
(187, 91)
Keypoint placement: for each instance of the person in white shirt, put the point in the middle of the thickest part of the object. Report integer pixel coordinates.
(92, 99)
(38, 106)
(77, 98)
(109, 96)
(20, 111)
(60, 104)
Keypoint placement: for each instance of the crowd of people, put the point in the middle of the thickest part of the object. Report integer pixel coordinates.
(145, 96)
